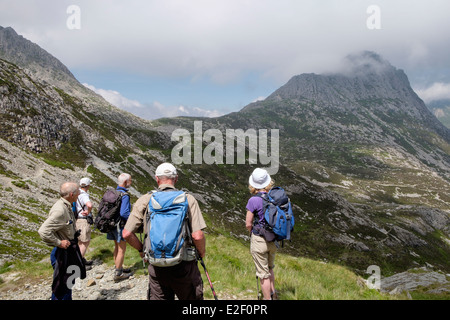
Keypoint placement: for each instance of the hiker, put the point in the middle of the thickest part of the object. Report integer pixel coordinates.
(59, 231)
(120, 245)
(84, 219)
(182, 279)
(262, 250)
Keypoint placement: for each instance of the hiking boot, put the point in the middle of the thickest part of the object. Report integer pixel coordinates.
(120, 275)
(274, 295)
(126, 270)
(87, 263)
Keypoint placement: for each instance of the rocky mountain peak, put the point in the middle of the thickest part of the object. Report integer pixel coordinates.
(362, 76)
(21, 51)
(365, 84)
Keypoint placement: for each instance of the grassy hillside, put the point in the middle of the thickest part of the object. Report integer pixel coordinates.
(231, 269)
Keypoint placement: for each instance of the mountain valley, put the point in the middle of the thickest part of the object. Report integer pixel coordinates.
(365, 163)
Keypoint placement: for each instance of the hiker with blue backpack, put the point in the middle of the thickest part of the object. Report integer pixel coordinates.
(173, 225)
(269, 219)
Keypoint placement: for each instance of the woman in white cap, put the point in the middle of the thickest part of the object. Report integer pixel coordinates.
(262, 245)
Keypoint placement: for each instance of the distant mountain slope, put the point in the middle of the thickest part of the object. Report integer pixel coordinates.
(441, 109)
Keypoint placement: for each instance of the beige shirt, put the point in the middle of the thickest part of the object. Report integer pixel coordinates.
(136, 218)
(60, 224)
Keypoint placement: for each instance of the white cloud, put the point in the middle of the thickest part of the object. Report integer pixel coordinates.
(222, 40)
(153, 110)
(259, 99)
(115, 98)
(437, 91)
(157, 110)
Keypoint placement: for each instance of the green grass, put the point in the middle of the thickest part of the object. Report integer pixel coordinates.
(232, 272)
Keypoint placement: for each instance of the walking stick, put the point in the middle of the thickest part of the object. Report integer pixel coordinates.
(257, 288)
(207, 275)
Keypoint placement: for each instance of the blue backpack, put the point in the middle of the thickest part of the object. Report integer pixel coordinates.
(278, 213)
(168, 240)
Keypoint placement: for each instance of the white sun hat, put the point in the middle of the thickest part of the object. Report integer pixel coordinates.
(165, 169)
(84, 182)
(259, 179)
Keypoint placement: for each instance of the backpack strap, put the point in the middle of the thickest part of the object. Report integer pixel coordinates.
(257, 224)
(265, 199)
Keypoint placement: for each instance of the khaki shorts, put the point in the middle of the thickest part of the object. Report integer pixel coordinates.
(85, 228)
(263, 254)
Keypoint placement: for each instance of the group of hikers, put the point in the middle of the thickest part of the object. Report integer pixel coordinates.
(174, 238)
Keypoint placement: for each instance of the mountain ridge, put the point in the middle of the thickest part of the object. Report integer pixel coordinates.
(21, 51)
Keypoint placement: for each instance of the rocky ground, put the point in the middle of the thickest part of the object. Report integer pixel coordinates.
(98, 285)
(432, 282)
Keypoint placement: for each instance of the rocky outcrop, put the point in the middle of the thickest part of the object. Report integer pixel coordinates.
(32, 115)
(416, 279)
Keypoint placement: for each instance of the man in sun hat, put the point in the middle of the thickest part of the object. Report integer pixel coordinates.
(262, 245)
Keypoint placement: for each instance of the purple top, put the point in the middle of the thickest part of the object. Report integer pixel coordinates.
(255, 205)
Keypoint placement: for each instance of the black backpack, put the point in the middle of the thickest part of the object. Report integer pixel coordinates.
(108, 215)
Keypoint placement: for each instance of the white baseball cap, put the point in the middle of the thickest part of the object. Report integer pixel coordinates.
(259, 179)
(165, 169)
(84, 182)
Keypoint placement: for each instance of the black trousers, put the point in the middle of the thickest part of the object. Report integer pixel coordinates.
(183, 280)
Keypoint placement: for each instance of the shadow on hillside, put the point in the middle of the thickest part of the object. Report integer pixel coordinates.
(104, 255)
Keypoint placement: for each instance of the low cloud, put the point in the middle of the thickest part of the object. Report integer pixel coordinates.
(437, 91)
(115, 98)
(154, 110)
(259, 99)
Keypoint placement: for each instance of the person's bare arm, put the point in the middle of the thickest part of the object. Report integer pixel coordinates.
(133, 240)
(249, 221)
(200, 242)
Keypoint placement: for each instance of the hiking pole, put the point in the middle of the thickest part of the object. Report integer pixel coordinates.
(257, 288)
(143, 258)
(207, 275)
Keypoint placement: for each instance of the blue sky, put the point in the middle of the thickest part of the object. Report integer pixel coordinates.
(209, 57)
